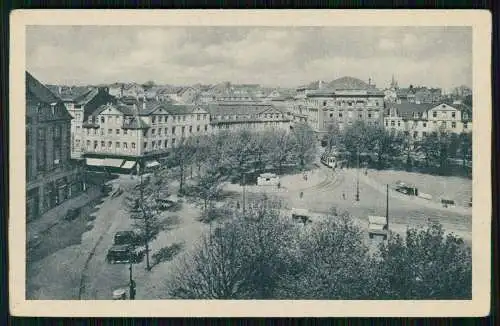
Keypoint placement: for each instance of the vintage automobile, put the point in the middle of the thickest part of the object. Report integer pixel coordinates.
(406, 189)
(72, 214)
(127, 238)
(121, 254)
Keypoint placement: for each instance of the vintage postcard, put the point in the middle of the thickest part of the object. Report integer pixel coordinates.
(250, 163)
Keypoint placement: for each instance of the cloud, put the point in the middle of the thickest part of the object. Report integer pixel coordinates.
(267, 55)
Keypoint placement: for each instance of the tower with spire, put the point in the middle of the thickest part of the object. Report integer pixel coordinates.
(394, 83)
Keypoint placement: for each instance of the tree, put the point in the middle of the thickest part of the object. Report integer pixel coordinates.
(333, 136)
(429, 265)
(208, 187)
(281, 147)
(304, 144)
(332, 262)
(242, 258)
(358, 138)
(181, 157)
(387, 144)
(143, 205)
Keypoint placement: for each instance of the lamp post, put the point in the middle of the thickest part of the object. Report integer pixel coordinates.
(131, 281)
(357, 181)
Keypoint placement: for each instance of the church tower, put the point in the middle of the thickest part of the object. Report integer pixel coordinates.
(394, 83)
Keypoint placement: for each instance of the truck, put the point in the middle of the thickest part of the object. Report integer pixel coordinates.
(378, 225)
(406, 189)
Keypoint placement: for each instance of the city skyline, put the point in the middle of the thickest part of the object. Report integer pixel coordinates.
(210, 55)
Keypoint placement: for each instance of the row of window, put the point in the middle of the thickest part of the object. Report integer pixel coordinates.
(350, 114)
(153, 131)
(154, 119)
(424, 124)
(125, 145)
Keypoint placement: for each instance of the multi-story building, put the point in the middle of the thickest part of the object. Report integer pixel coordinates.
(419, 120)
(79, 106)
(254, 116)
(341, 103)
(51, 175)
(120, 135)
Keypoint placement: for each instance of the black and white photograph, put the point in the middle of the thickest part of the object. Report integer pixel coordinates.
(202, 161)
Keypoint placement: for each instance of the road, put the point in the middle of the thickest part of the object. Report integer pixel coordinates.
(81, 272)
(326, 188)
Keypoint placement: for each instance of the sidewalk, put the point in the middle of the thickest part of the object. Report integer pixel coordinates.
(53, 216)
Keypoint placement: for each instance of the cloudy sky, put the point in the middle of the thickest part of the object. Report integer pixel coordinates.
(287, 57)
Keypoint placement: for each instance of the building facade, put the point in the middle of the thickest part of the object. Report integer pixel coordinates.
(120, 135)
(51, 176)
(420, 120)
(255, 116)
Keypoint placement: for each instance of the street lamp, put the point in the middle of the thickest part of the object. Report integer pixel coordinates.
(131, 281)
(357, 180)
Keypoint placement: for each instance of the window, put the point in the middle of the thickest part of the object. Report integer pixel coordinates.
(153, 131)
(133, 145)
(110, 131)
(424, 124)
(88, 144)
(434, 114)
(159, 131)
(393, 123)
(190, 129)
(78, 143)
(145, 145)
(415, 134)
(95, 144)
(424, 134)
(360, 116)
(125, 146)
(206, 127)
(166, 143)
(453, 114)
(103, 144)
(145, 133)
(465, 125)
(173, 141)
(110, 144)
(102, 119)
(183, 129)
(399, 123)
(153, 144)
(153, 120)
(198, 128)
(173, 130)
(453, 124)
(125, 131)
(340, 114)
(117, 131)
(386, 123)
(331, 115)
(369, 115)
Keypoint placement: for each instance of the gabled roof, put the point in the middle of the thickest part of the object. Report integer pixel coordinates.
(407, 109)
(39, 91)
(86, 97)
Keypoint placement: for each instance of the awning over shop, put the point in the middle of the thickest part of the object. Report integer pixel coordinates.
(114, 162)
(95, 161)
(151, 164)
(128, 165)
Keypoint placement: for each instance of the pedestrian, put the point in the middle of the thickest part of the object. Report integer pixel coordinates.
(301, 194)
(343, 195)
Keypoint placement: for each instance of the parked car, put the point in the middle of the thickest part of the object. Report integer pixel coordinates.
(121, 254)
(72, 213)
(127, 238)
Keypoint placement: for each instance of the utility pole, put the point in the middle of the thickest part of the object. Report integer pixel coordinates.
(357, 181)
(387, 206)
(131, 281)
(244, 190)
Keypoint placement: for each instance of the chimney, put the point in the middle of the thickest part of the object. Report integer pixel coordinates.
(369, 81)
